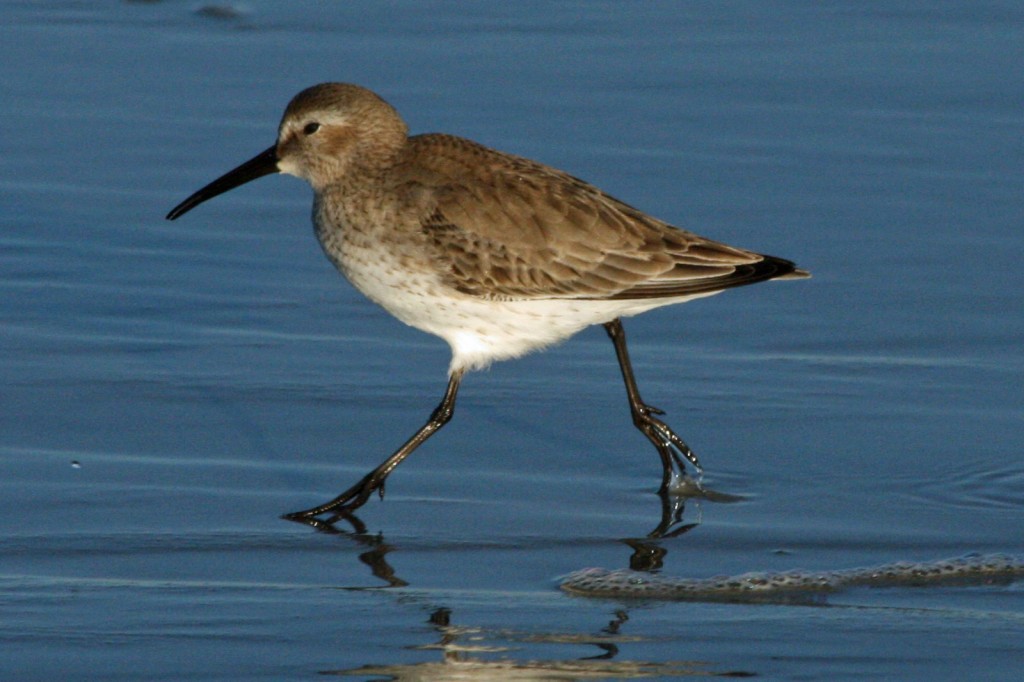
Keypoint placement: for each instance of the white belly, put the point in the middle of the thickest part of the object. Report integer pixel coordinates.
(479, 331)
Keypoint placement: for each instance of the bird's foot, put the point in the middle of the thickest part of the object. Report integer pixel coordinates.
(671, 447)
(346, 503)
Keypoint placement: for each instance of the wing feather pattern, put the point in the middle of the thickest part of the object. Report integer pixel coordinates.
(512, 228)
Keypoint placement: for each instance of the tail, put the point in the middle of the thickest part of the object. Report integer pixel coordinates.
(796, 273)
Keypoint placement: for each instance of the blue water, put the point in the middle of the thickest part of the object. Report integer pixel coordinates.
(168, 389)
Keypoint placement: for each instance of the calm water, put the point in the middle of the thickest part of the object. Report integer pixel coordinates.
(169, 389)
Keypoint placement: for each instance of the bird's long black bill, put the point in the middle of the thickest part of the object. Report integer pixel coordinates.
(262, 164)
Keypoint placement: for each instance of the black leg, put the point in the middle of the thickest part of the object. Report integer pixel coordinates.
(357, 495)
(669, 445)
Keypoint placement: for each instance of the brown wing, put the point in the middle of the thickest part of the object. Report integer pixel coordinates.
(512, 228)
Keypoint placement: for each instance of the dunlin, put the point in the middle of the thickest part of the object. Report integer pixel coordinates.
(496, 254)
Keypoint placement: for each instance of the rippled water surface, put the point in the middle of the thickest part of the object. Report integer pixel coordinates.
(169, 389)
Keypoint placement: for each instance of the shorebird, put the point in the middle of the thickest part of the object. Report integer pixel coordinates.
(496, 254)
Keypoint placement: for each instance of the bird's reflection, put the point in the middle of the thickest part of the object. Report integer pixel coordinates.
(648, 552)
(451, 635)
(472, 653)
(475, 653)
(610, 649)
(378, 548)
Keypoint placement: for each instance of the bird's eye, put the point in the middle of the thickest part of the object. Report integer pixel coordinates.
(311, 128)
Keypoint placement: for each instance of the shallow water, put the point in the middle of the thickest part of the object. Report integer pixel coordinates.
(170, 389)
